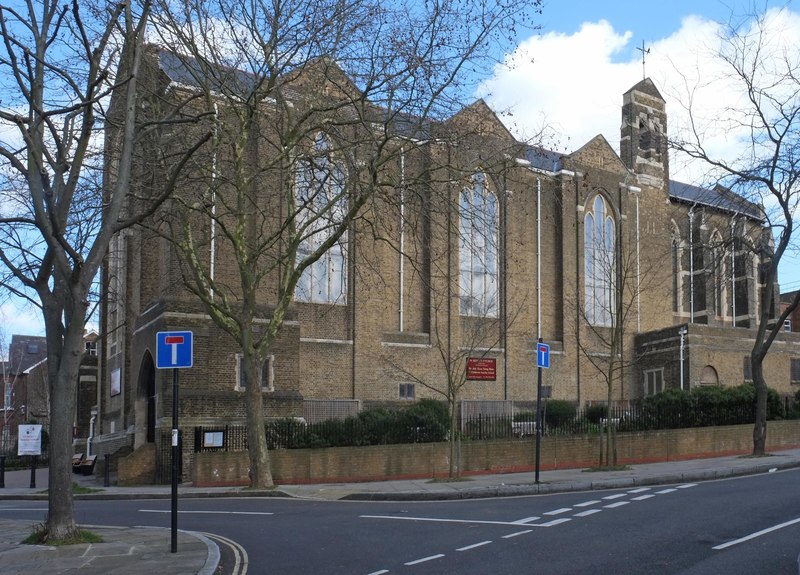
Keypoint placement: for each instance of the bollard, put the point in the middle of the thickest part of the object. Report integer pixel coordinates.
(107, 470)
(2, 471)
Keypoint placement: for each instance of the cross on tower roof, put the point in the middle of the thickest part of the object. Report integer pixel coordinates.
(644, 53)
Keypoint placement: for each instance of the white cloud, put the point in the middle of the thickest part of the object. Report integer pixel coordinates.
(573, 84)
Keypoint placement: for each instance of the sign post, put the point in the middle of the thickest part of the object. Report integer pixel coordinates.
(174, 349)
(542, 362)
(30, 443)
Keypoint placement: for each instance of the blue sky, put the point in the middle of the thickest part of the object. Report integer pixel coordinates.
(566, 81)
(589, 47)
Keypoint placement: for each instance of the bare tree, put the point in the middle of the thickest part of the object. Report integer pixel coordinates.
(615, 281)
(57, 217)
(760, 66)
(314, 101)
(460, 260)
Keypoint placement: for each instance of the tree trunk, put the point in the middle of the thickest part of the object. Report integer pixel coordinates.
(760, 426)
(260, 472)
(454, 470)
(62, 384)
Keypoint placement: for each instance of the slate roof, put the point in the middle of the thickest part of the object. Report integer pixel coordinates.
(186, 70)
(720, 197)
(543, 159)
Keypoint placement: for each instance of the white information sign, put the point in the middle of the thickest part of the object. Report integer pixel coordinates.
(30, 440)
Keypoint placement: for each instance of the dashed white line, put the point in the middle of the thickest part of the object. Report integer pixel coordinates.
(381, 572)
(639, 490)
(558, 511)
(424, 559)
(687, 486)
(588, 503)
(617, 504)
(643, 497)
(518, 533)
(207, 512)
(555, 522)
(524, 521)
(663, 491)
(616, 496)
(473, 546)
(587, 512)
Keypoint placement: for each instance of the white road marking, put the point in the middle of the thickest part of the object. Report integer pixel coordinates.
(643, 497)
(588, 503)
(617, 496)
(468, 547)
(687, 486)
(756, 534)
(381, 572)
(524, 521)
(558, 511)
(439, 520)
(555, 522)
(510, 535)
(663, 491)
(207, 512)
(617, 504)
(431, 558)
(587, 512)
(640, 490)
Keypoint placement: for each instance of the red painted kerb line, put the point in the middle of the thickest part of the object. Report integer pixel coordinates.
(173, 339)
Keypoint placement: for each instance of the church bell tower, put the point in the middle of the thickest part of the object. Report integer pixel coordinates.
(643, 137)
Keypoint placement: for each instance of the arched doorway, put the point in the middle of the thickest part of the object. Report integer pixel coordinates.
(147, 391)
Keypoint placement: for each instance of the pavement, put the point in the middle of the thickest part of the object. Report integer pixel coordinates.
(136, 550)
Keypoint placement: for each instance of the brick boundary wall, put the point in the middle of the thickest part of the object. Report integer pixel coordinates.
(429, 460)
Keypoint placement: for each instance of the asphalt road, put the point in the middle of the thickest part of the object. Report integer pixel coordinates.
(747, 525)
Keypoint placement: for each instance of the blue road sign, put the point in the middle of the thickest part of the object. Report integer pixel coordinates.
(542, 355)
(174, 349)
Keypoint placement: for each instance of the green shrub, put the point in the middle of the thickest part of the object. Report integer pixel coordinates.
(703, 406)
(559, 412)
(594, 413)
(424, 421)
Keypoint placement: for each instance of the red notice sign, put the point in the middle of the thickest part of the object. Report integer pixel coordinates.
(481, 369)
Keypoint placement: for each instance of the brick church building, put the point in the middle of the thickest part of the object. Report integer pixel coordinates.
(597, 252)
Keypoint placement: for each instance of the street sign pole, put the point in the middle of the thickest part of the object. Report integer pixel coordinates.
(542, 362)
(538, 411)
(175, 456)
(175, 350)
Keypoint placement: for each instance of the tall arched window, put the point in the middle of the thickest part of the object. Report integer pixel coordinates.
(599, 263)
(718, 272)
(321, 206)
(478, 249)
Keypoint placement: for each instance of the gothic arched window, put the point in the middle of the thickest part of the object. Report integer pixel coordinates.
(478, 249)
(321, 199)
(599, 263)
